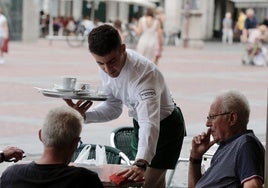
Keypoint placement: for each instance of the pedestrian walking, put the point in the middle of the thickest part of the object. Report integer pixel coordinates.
(4, 36)
(251, 22)
(227, 29)
(150, 43)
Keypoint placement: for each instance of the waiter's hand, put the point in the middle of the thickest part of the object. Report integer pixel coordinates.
(134, 173)
(81, 106)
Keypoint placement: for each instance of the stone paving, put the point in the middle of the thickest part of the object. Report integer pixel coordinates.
(194, 76)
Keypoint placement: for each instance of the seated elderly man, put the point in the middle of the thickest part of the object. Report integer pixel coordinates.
(60, 136)
(239, 159)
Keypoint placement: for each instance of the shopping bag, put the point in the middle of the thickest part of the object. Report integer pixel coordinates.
(5, 45)
(83, 156)
(100, 155)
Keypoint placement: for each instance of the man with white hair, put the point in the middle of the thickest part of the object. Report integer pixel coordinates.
(239, 159)
(60, 136)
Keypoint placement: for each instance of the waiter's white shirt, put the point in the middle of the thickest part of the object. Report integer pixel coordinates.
(142, 88)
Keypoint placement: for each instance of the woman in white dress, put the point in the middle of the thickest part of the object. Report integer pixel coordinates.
(150, 41)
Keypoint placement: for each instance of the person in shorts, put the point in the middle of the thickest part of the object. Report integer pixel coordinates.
(133, 80)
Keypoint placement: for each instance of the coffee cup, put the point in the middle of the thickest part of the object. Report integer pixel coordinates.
(82, 86)
(68, 82)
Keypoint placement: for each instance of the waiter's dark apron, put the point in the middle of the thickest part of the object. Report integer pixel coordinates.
(169, 144)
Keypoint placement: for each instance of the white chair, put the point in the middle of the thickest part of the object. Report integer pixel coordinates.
(172, 172)
(205, 164)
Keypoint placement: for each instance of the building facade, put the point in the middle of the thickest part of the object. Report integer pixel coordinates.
(194, 20)
(22, 16)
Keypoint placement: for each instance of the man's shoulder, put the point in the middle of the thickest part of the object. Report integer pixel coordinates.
(137, 60)
(131, 52)
(15, 168)
(249, 137)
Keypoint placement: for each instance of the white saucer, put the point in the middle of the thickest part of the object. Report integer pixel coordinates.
(81, 92)
(64, 90)
(59, 88)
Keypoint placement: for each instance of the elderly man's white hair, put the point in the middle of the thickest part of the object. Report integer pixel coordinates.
(61, 126)
(235, 101)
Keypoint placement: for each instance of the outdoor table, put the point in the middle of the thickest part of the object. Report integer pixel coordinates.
(104, 171)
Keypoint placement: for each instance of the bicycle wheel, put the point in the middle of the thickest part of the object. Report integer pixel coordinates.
(77, 38)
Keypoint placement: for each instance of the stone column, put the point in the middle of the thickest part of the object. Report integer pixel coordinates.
(111, 11)
(77, 9)
(192, 32)
(172, 23)
(123, 12)
(30, 21)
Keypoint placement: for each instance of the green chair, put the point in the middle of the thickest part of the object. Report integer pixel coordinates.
(120, 138)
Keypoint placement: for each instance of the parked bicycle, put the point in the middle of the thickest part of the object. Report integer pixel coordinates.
(131, 38)
(78, 37)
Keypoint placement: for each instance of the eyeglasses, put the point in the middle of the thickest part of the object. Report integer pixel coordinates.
(211, 117)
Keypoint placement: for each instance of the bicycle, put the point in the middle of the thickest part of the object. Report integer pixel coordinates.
(78, 37)
(131, 38)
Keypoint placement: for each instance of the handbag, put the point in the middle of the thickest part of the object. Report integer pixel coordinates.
(5, 45)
